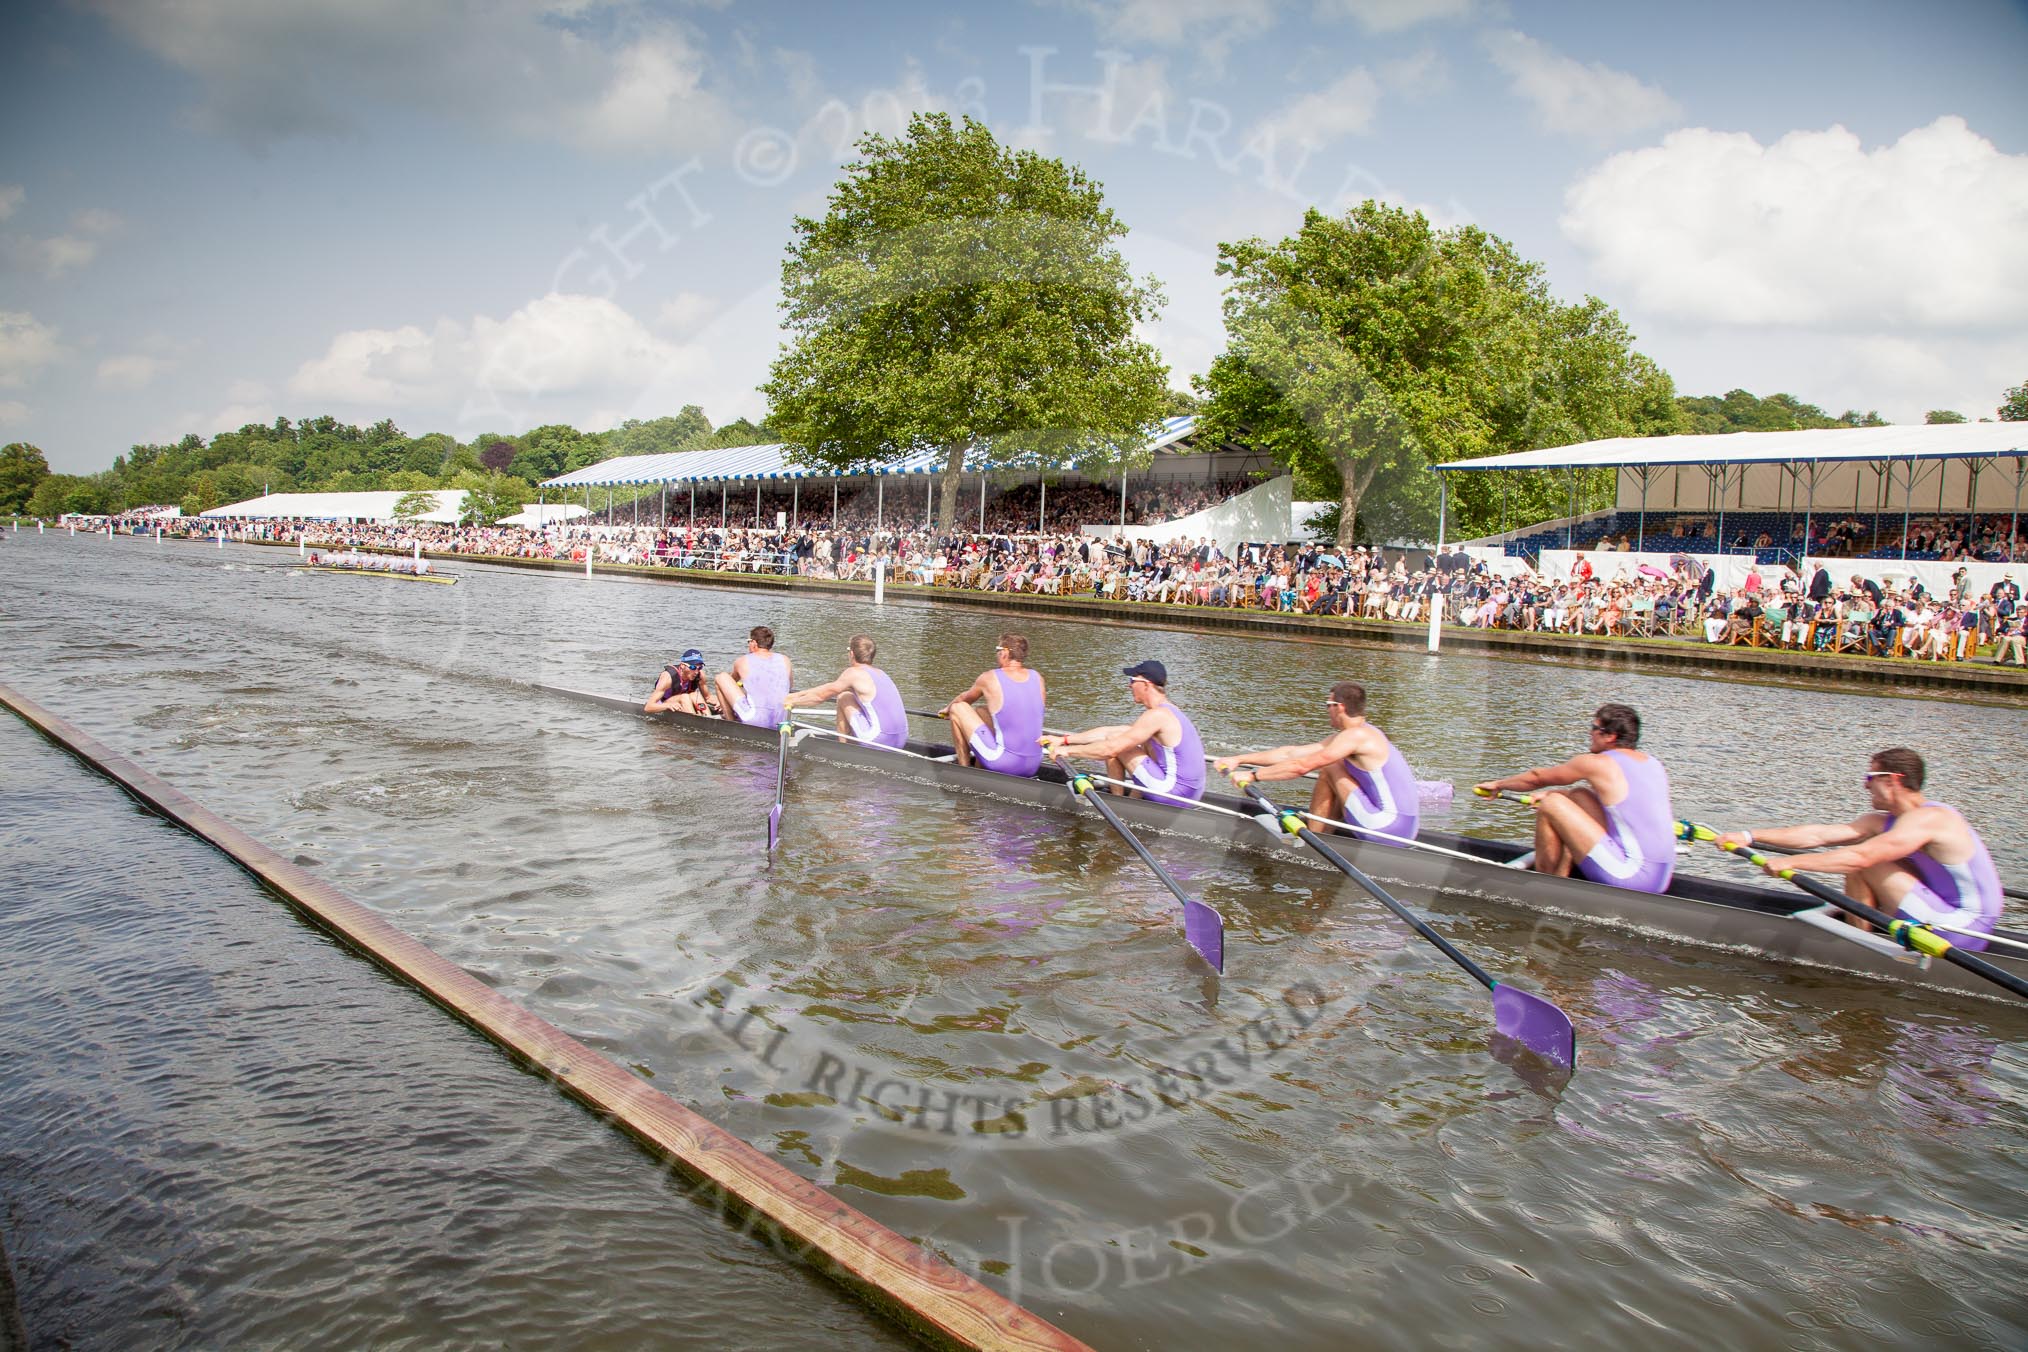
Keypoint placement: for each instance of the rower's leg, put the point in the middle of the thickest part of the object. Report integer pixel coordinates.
(965, 721)
(1122, 767)
(728, 692)
(1328, 798)
(1568, 824)
(1884, 887)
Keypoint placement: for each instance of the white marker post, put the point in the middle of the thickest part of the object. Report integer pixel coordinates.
(221, 537)
(880, 582)
(299, 545)
(1436, 620)
(589, 549)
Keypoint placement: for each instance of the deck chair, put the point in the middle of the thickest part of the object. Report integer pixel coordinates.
(1767, 628)
(1854, 634)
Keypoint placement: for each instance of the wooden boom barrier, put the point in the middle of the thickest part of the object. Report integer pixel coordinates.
(904, 1281)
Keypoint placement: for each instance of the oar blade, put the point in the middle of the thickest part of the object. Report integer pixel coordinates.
(1535, 1023)
(1204, 928)
(774, 826)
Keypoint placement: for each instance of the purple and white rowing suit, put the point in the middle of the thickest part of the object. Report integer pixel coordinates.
(1386, 803)
(885, 722)
(1962, 896)
(1010, 745)
(1173, 774)
(762, 692)
(1638, 851)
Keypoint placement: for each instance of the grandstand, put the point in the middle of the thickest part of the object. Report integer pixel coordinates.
(1180, 471)
(1913, 493)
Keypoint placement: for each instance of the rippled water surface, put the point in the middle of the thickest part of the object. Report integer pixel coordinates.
(978, 1022)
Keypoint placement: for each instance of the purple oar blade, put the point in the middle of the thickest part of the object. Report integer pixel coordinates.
(774, 825)
(1205, 929)
(1536, 1024)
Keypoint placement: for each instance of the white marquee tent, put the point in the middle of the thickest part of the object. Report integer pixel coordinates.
(339, 507)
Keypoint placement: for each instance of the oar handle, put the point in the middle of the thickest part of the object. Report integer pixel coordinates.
(1525, 799)
(1293, 824)
(1908, 933)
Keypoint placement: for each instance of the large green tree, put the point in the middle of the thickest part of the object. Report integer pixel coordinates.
(22, 467)
(967, 299)
(1371, 345)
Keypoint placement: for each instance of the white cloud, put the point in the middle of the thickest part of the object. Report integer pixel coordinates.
(52, 257)
(1214, 25)
(562, 73)
(26, 346)
(130, 371)
(59, 254)
(1392, 16)
(1576, 99)
(1346, 108)
(1813, 231)
(12, 411)
(97, 221)
(684, 311)
(10, 199)
(561, 356)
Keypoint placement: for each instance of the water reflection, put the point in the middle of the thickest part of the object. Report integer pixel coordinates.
(1323, 1152)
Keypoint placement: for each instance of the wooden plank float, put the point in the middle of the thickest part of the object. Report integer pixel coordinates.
(928, 1297)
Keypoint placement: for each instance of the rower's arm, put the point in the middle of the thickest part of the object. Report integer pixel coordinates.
(1105, 743)
(817, 694)
(1573, 771)
(1910, 833)
(1284, 762)
(1811, 837)
(975, 692)
(654, 704)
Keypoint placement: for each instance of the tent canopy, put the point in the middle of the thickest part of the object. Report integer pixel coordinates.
(378, 506)
(1948, 441)
(772, 461)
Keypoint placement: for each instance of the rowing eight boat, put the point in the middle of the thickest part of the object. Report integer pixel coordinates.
(439, 579)
(1782, 926)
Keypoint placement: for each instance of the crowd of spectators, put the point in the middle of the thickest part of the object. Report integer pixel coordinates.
(1987, 537)
(1773, 609)
(1021, 508)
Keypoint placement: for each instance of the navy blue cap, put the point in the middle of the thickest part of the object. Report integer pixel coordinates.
(692, 658)
(1151, 669)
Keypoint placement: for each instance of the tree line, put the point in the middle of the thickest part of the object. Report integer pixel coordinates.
(969, 300)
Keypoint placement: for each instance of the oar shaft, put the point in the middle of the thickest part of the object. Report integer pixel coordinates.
(1345, 866)
(1916, 936)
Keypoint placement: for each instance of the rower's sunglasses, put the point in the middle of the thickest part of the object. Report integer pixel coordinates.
(1872, 775)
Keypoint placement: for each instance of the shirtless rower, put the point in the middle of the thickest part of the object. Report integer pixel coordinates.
(1363, 780)
(1159, 754)
(682, 687)
(869, 707)
(759, 680)
(1908, 856)
(1002, 737)
(1613, 824)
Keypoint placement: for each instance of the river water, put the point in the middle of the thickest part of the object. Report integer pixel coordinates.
(978, 1022)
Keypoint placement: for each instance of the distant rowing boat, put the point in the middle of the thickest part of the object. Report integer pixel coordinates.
(1781, 926)
(439, 579)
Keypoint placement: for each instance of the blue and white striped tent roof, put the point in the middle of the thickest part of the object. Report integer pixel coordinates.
(771, 461)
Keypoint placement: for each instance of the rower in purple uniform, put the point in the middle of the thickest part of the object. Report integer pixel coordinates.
(1002, 737)
(1910, 856)
(753, 690)
(869, 707)
(682, 687)
(1613, 824)
(1363, 780)
(1158, 755)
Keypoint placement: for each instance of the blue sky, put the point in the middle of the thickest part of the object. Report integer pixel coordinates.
(477, 217)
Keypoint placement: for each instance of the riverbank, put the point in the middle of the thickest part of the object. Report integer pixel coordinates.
(1979, 681)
